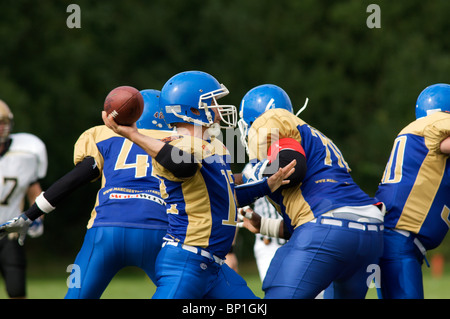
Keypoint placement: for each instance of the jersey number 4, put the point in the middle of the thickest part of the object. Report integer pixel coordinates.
(140, 165)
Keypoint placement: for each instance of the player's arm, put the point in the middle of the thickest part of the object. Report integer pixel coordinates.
(82, 173)
(283, 152)
(445, 146)
(238, 178)
(247, 193)
(33, 191)
(163, 153)
(270, 227)
(285, 155)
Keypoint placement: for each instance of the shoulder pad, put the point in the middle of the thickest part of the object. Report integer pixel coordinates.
(29, 143)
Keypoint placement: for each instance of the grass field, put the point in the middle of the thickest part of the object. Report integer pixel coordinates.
(49, 282)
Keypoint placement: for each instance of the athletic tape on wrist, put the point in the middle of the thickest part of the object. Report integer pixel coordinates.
(270, 227)
(43, 204)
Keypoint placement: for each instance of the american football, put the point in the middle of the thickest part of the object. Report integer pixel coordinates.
(125, 103)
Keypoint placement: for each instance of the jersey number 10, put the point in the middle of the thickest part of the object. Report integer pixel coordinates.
(394, 167)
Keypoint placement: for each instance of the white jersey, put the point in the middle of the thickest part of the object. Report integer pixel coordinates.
(24, 163)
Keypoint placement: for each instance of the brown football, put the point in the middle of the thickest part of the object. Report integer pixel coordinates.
(125, 103)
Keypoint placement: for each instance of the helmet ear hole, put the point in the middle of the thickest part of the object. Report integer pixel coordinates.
(195, 111)
(152, 117)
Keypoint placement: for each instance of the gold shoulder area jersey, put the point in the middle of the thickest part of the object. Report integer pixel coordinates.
(416, 182)
(201, 209)
(201, 149)
(435, 127)
(327, 184)
(129, 194)
(271, 126)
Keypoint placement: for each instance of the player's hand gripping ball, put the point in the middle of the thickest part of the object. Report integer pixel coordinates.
(125, 104)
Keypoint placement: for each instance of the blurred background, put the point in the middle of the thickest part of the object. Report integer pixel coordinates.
(362, 83)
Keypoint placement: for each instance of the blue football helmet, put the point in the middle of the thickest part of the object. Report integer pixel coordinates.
(433, 99)
(256, 102)
(190, 96)
(152, 118)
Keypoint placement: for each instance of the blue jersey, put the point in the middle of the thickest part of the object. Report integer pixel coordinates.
(327, 185)
(416, 183)
(129, 194)
(202, 208)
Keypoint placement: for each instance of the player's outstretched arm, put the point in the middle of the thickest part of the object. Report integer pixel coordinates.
(247, 193)
(280, 178)
(160, 151)
(149, 144)
(265, 226)
(45, 202)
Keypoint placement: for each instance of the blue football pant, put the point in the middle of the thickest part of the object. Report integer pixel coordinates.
(401, 267)
(319, 255)
(105, 251)
(185, 275)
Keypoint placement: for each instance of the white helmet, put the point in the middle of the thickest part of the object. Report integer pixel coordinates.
(6, 121)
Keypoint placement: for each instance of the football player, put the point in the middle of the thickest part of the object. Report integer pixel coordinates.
(416, 190)
(129, 218)
(23, 162)
(334, 228)
(197, 185)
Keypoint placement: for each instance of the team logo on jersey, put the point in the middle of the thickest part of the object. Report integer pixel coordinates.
(158, 115)
(137, 196)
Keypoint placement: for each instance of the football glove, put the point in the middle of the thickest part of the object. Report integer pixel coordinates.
(36, 228)
(246, 212)
(255, 173)
(18, 225)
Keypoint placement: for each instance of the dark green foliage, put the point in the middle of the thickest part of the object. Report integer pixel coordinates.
(362, 83)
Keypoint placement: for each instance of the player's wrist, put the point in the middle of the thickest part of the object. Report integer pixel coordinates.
(41, 206)
(270, 227)
(249, 192)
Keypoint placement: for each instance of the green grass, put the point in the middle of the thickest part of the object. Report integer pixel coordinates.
(49, 282)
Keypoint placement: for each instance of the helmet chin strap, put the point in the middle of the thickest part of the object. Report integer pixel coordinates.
(214, 130)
